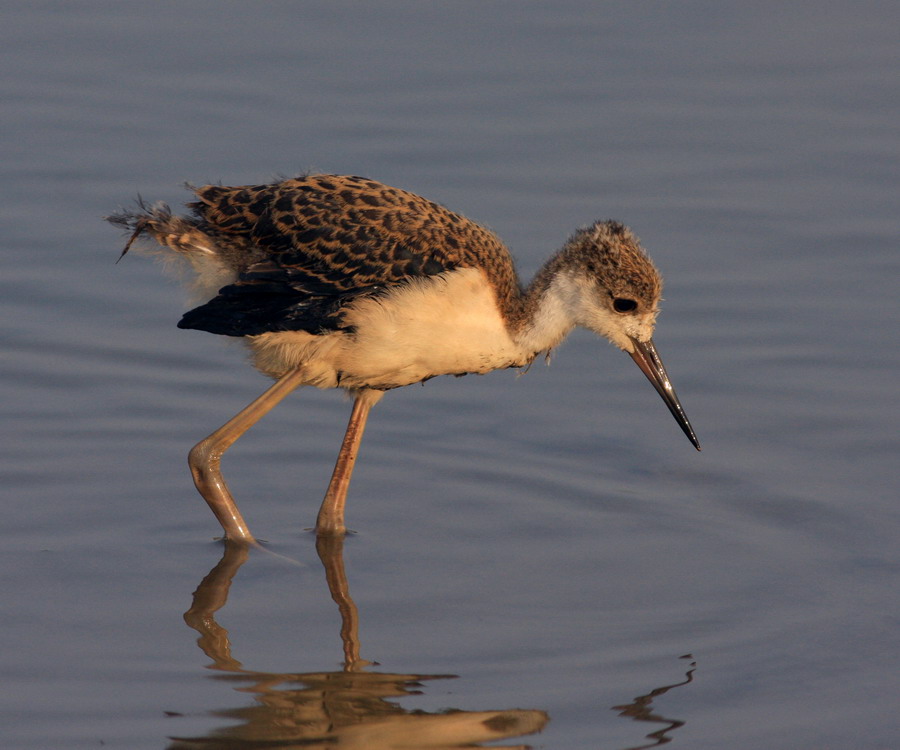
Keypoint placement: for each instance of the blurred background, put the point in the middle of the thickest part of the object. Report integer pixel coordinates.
(550, 541)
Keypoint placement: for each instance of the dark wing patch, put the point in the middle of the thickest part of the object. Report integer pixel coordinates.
(271, 298)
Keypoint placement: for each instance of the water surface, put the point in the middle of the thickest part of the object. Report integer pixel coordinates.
(544, 556)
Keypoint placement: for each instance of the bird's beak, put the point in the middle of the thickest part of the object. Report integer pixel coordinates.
(651, 365)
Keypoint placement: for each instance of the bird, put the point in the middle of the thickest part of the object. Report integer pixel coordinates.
(340, 281)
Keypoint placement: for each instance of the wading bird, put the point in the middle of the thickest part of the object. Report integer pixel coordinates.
(342, 282)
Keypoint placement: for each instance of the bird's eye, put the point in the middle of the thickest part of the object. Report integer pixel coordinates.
(624, 305)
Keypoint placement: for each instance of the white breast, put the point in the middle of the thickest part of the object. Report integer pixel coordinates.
(440, 325)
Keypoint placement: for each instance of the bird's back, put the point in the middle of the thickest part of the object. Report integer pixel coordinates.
(302, 248)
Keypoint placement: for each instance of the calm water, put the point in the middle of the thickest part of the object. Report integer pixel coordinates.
(539, 560)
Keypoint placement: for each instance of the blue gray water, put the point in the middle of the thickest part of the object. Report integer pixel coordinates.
(550, 540)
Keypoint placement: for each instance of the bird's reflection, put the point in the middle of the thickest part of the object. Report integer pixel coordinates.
(351, 708)
(640, 710)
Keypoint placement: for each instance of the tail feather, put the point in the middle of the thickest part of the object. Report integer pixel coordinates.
(157, 222)
(214, 263)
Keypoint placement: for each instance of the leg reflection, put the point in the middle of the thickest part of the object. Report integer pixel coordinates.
(351, 708)
(331, 553)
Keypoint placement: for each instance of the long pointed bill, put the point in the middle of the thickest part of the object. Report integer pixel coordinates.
(651, 365)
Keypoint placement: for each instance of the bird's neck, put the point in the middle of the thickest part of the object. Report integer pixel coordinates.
(549, 309)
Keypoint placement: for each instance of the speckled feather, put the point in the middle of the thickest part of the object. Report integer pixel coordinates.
(315, 243)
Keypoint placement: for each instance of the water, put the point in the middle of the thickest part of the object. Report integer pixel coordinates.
(551, 541)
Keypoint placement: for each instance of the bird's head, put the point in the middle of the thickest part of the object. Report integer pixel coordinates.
(610, 286)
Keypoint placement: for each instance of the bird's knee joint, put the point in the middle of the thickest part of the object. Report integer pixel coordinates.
(204, 455)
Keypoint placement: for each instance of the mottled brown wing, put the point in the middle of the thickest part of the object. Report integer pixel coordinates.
(326, 239)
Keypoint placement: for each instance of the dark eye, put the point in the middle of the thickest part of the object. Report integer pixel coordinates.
(624, 305)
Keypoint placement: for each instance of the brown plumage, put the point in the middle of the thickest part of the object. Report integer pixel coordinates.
(340, 281)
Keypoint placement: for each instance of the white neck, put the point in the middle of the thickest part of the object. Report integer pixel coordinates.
(554, 313)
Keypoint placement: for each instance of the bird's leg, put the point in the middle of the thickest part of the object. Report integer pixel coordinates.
(331, 514)
(205, 457)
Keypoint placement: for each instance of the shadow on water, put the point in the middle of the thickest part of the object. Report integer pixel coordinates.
(349, 708)
(352, 707)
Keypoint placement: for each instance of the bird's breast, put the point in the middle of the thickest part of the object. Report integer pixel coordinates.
(439, 325)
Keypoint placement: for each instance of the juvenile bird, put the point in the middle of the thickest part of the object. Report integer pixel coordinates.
(343, 282)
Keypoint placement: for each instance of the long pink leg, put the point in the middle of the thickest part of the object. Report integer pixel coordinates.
(331, 514)
(205, 457)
